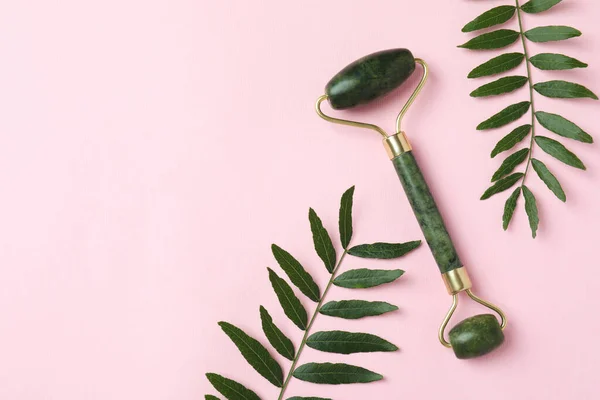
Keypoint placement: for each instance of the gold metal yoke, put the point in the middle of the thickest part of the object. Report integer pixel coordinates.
(394, 144)
(457, 281)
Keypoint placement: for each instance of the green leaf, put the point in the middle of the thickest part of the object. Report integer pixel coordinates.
(275, 336)
(506, 116)
(322, 241)
(531, 210)
(210, 397)
(498, 65)
(495, 16)
(335, 374)
(502, 185)
(563, 90)
(537, 6)
(306, 398)
(297, 274)
(549, 179)
(563, 127)
(509, 207)
(341, 342)
(510, 163)
(555, 62)
(492, 40)
(355, 309)
(544, 34)
(509, 141)
(383, 250)
(503, 85)
(231, 389)
(345, 220)
(292, 307)
(366, 278)
(255, 353)
(558, 151)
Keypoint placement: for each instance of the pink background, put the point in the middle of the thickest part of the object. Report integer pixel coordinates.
(151, 151)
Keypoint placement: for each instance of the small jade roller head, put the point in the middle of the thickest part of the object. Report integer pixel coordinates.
(370, 77)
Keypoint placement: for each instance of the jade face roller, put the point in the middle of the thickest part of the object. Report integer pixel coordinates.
(369, 78)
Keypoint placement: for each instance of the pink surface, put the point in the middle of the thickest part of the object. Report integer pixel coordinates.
(151, 151)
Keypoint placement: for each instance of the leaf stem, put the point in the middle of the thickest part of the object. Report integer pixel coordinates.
(530, 79)
(309, 326)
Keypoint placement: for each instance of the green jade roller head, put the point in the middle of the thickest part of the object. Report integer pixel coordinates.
(361, 82)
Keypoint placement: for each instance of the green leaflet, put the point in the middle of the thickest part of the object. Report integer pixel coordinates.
(509, 141)
(531, 210)
(230, 388)
(341, 342)
(558, 151)
(210, 397)
(549, 179)
(306, 398)
(562, 126)
(322, 241)
(495, 16)
(345, 220)
(510, 163)
(255, 353)
(537, 6)
(510, 207)
(355, 309)
(292, 307)
(297, 274)
(366, 278)
(498, 65)
(383, 250)
(335, 374)
(275, 336)
(563, 90)
(502, 185)
(555, 62)
(500, 86)
(551, 33)
(506, 116)
(493, 40)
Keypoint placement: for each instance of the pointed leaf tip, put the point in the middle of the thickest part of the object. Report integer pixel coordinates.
(281, 343)
(531, 210)
(255, 353)
(549, 179)
(292, 307)
(345, 219)
(492, 40)
(356, 309)
(335, 374)
(322, 241)
(231, 389)
(297, 274)
(495, 16)
(383, 250)
(544, 34)
(341, 342)
(502, 185)
(538, 6)
(364, 278)
(509, 208)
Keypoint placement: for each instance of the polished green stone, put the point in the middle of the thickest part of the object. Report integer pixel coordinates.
(476, 336)
(370, 77)
(427, 213)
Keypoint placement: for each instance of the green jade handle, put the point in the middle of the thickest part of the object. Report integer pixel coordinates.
(426, 211)
(361, 82)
